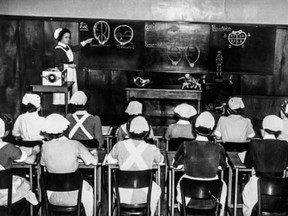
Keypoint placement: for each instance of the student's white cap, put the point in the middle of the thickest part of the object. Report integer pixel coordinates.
(138, 125)
(273, 123)
(134, 108)
(206, 120)
(236, 103)
(33, 99)
(185, 110)
(78, 98)
(2, 128)
(55, 124)
(57, 32)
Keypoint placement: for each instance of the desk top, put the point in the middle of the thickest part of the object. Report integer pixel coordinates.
(234, 160)
(41, 88)
(164, 93)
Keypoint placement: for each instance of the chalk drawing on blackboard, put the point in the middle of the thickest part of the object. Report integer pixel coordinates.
(192, 55)
(101, 30)
(174, 54)
(237, 38)
(123, 34)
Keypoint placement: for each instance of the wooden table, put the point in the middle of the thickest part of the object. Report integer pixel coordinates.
(165, 94)
(237, 166)
(65, 88)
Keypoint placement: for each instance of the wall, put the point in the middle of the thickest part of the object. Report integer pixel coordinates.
(244, 11)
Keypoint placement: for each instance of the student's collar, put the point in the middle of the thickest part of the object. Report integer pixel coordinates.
(269, 136)
(183, 122)
(81, 112)
(201, 138)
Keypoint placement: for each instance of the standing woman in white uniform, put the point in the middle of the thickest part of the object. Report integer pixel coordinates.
(64, 59)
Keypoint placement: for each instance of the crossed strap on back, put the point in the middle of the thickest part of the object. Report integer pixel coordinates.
(134, 157)
(79, 124)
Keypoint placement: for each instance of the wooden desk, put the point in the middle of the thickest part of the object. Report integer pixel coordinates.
(165, 94)
(236, 165)
(65, 88)
(97, 179)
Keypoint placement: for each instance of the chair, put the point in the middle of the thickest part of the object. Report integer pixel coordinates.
(205, 197)
(15, 208)
(28, 143)
(93, 143)
(61, 182)
(174, 143)
(272, 197)
(133, 180)
(236, 146)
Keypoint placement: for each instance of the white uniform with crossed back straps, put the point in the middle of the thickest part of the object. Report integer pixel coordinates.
(79, 125)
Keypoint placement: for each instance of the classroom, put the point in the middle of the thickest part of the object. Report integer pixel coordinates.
(178, 92)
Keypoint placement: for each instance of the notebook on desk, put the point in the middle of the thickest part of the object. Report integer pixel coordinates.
(106, 130)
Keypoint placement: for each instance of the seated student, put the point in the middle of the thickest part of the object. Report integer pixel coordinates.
(133, 109)
(284, 116)
(264, 161)
(8, 154)
(83, 126)
(135, 154)
(27, 125)
(234, 128)
(183, 127)
(60, 155)
(201, 157)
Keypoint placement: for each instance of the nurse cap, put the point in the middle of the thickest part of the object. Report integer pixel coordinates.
(134, 108)
(57, 32)
(78, 98)
(272, 123)
(185, 110)
(236, 103)
(55, 124)
(33, 99)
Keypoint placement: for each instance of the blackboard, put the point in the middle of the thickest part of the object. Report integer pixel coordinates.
(176, 47)
(245, 48)
(117, 44)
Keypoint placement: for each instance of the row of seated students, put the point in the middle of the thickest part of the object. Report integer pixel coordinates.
(200, 157)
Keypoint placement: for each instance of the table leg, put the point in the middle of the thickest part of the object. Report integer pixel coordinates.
(235, 192)
(172, 192)
(159, 183)
(66, 103)
(95, 191)
(230, 187)
(109, 191)
(99, 186)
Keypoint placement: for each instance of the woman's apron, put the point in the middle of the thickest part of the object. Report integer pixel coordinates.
(59, 98)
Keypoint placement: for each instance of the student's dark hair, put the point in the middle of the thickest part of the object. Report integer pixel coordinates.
(239, 111)
(62, 32)
(30, 108)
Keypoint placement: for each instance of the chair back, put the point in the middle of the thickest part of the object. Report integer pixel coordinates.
(133, 180)
(236, 146)
(61, 182)
(174, 143)
(93, 143)
(272, 196)
(6, 183)
(28, 143)
(204, 196)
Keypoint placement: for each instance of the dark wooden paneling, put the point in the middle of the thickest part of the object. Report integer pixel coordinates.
(31, 51)
(9, 67)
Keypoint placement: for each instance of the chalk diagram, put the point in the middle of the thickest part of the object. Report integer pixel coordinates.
(123, 34)
(174, 54)
(237, 38)
(101, 30)
(192, 55)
